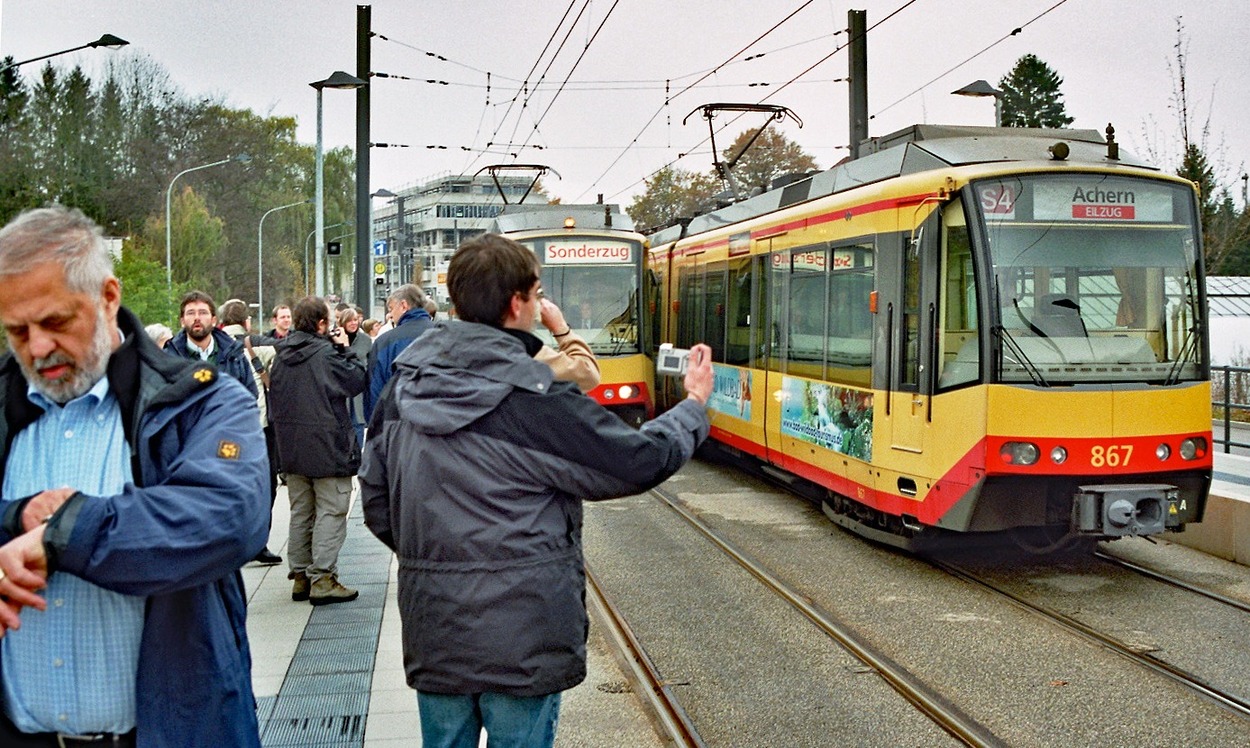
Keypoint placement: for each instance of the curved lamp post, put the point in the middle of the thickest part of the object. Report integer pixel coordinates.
(242, 158)
(260, 254)
(108, 41)
(342, 80)
(983, 88)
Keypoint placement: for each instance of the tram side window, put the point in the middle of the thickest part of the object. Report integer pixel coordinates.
(805, 327)
(909, 368)
(714, 311)
(961, 349)
(689, 307)
(738, 318)
(848, 343)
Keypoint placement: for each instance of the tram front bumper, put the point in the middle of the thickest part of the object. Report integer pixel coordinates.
(1125, 510)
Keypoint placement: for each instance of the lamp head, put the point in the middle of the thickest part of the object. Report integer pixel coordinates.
(109, 41)
(339, 79)
(978, 88)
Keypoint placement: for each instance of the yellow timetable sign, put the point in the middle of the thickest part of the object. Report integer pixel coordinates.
(379, 267)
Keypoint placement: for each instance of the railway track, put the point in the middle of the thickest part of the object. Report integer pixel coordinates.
(672, 718)
(669, 716)
(1122, 563)
(1227, 700)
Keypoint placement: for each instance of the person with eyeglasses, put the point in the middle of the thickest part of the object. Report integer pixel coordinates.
(475, 471)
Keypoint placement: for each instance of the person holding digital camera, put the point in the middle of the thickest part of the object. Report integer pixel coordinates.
(314, 376)
(474, 473)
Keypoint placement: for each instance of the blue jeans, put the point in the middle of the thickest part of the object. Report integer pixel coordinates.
(456, 721)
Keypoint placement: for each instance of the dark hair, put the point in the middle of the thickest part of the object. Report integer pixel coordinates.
(485, 273)
(308, 313)
(197, 296)
(234, 312)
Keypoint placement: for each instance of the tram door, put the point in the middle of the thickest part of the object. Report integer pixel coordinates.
(912, 351)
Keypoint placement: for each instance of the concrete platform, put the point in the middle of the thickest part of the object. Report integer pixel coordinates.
(1225, 529)
(333, 675)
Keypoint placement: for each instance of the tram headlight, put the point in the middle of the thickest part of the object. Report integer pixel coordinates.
(609, 393)
(1193, 448)
(1058, 455)
(625, 392)
(1019, 453)
(1163, 451)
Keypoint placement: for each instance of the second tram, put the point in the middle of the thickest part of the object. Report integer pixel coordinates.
(592, 268)
(970, 330)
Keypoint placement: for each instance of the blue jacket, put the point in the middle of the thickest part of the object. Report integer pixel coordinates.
(231, 357)
(197, 511)
(387, 348)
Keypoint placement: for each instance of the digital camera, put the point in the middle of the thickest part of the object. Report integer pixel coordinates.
(672, 361)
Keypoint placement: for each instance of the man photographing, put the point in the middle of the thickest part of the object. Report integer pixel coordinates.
(474, 474)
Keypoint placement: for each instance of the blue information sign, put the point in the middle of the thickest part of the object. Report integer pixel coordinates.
(379, 248)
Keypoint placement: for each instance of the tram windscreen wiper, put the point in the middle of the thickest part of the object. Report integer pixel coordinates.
(1007, 341)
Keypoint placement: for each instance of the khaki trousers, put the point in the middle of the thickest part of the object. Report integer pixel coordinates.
(318, 523)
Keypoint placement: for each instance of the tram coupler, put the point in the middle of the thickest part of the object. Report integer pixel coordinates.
(1125, 510)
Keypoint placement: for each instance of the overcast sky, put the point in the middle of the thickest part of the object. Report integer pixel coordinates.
(609, 128)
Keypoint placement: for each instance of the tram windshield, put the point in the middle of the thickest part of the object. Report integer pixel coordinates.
(1095, 278)
(594, 281)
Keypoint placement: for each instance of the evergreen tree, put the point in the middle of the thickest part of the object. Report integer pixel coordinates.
(1031, 96)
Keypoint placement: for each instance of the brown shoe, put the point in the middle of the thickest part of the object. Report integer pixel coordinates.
(327, 590)
(299, 590)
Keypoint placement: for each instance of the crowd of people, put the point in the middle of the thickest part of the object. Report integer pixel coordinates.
(137, 462)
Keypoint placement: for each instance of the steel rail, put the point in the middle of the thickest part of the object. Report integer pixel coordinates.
(1159, 576)
(665, 707)
(1230, 702)
(945, 714)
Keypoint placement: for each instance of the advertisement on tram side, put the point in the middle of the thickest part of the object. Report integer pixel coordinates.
(731, 391)
(836, 418)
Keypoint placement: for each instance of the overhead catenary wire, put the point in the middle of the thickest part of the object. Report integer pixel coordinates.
(1017, 30)
(723, 127)
(662, 108)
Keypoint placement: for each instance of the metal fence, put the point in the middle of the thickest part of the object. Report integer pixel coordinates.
(1230, 391)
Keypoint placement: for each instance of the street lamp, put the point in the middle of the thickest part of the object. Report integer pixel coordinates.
(108, 41)
(307, 281)
(242, 158)
(342, 80)
(983, 88)
(260, 253)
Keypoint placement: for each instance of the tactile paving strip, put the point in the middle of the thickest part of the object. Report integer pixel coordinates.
(324, 699)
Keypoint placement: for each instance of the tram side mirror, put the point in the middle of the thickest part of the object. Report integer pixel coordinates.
(672, 361)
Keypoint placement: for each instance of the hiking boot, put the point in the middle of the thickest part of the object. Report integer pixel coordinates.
(299, 590)
(327, 590)
(267, 558)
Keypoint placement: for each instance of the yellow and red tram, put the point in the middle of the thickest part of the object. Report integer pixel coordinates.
(592, 268)
(968, 330)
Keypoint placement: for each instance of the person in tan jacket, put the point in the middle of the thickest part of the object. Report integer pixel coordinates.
(573, 362)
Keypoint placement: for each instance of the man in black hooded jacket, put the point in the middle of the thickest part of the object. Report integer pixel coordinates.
(314, 375)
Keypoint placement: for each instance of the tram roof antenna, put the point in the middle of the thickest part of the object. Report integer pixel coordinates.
(494, 170)
(725, 169)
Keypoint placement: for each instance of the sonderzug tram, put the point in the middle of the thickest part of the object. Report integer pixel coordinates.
(592, 265)
(969, 329)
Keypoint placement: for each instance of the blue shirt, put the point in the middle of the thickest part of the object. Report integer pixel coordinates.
(72, 668)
